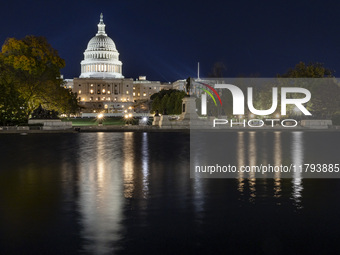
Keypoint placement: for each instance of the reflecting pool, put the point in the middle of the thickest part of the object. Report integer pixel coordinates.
(131, 193)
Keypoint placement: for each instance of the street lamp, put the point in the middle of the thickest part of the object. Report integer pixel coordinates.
(100, 119)
(277, 116)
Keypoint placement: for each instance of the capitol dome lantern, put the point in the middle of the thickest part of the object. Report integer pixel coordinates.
(101, 58)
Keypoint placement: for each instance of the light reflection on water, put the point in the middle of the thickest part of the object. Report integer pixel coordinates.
(198, 189)
(297, 159)
(118, 192)
(108, 174)
(100, 191)
(252, 162)
(277, 162)
(240, 160)
(247, 155)
(145, 165)
(128, 165)
(106, 179)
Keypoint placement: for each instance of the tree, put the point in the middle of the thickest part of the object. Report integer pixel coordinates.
(35, 70)
(325, 94)
(171, 100)
(12, 106)
(311, 70)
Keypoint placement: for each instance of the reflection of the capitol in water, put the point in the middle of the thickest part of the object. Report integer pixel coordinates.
(131, 193)
(100, 193)
(107, 177)
(115, 169)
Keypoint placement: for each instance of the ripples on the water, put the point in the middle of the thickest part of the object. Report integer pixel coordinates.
(130, 193)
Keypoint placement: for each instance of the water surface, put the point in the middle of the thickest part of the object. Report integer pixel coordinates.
(131, 193)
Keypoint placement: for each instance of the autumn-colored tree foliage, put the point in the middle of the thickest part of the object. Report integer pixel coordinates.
(12, 106)
(31, 68)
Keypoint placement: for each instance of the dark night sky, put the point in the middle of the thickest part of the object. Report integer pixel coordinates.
(164, 40)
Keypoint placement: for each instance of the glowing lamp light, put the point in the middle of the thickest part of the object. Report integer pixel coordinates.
(100, 116)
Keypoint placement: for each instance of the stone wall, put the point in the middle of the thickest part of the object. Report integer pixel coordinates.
(316, 124)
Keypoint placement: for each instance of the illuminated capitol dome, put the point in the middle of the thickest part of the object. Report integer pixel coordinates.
(101, 87)
(101, 57)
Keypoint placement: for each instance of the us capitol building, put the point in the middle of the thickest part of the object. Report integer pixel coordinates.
(101, 84)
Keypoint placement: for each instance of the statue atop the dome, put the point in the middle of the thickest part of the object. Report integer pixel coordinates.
(101, 19)
(101, 26)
